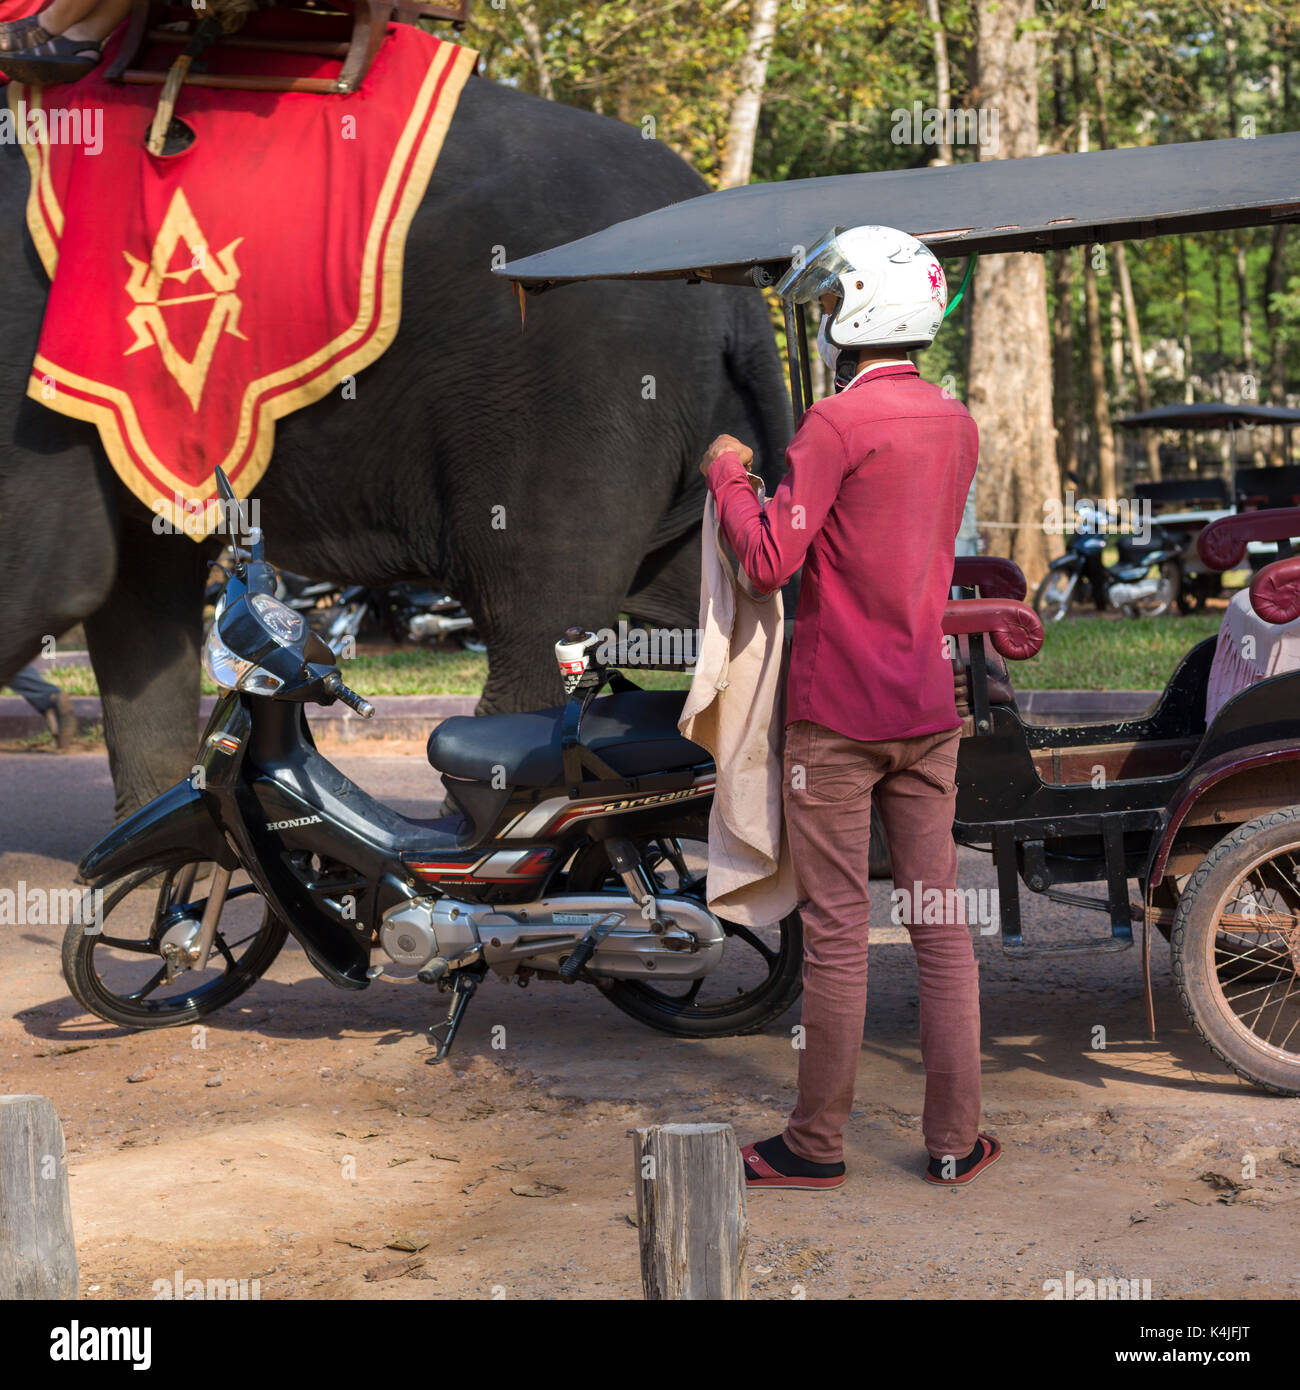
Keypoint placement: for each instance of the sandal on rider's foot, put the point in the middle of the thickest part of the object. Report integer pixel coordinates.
(771, 1163)
(987, 1150)
(18, 34)
(58, 59)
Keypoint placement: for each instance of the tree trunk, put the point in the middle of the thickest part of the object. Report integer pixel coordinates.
(1275, 283)
(742, 128)
(942, 78)
(1105, 441)
(1063, 273)
(1140, 383)
(1279, 87)
(1220, 351)
(1010, 380)
(1189, 394)
(1118, 384)
(1250, 385)
(1118, 381)
(1067, 442)
(536, 50)
(1103, 479)
(1124, 291)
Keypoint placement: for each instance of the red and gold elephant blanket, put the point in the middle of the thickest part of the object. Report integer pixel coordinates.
(198, 297)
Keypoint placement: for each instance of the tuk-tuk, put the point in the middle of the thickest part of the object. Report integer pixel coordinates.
(1182, 507)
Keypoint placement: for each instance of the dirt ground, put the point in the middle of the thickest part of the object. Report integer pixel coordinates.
(302, 1142)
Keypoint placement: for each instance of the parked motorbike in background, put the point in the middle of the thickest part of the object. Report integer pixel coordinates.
(1145, 583)
(339, 613)
(405, 612)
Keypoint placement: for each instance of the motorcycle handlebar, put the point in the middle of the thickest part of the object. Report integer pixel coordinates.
(333, 684)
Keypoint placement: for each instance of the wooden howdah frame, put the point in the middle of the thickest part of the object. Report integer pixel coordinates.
(370, 21)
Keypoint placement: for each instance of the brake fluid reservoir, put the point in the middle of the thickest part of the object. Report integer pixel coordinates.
(573, 655)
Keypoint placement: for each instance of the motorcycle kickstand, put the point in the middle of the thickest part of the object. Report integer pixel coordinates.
(443, 1034)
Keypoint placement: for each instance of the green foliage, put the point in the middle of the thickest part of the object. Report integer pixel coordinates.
(838, 70)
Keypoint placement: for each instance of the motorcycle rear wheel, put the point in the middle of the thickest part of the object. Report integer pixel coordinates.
(771, 986)
(117, 972)
(1171, 577)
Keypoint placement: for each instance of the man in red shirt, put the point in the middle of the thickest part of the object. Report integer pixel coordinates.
(870, 506)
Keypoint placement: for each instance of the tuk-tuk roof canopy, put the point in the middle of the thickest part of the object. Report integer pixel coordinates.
(1033, 204)
(1209, 415)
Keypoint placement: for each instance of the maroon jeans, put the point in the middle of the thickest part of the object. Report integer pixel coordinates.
(830, 783)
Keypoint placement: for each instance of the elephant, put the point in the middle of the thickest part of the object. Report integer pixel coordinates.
(547, 474)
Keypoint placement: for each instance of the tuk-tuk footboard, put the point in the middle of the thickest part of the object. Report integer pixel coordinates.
(1036, 853)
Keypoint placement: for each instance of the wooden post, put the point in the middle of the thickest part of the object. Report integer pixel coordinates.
(690, 1202)
(38, 1258)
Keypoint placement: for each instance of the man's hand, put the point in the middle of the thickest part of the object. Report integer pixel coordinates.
(726, 444)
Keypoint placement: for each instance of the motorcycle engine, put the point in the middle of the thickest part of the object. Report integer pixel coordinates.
(1121, 594)
(414, 932)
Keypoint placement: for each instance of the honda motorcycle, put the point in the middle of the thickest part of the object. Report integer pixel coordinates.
(573, 848)
(1146, 583)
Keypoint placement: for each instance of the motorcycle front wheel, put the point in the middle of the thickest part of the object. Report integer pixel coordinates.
(115, 965)
(759, 976)
(1054, 595)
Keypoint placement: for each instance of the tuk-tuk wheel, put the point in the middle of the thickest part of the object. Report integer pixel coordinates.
(1236, 950)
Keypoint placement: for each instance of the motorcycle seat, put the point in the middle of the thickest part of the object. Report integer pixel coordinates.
(634, 732)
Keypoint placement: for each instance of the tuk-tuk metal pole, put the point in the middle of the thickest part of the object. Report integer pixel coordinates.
(792, 355)
(805, 366)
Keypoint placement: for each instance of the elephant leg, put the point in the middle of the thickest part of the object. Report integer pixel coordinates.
(522, 673)
(144, 646)
(666, 590)
(521, 630)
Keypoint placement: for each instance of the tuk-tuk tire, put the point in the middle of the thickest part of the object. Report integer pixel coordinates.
(1197, 916)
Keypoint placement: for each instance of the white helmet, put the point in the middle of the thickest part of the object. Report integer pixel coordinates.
(891, 287)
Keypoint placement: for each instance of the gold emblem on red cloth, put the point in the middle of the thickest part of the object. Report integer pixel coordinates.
(147, 282)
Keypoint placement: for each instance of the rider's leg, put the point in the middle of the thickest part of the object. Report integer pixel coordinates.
(100, 22)
(55, 18)
(828, 782)
(916, 805)
(59, 14)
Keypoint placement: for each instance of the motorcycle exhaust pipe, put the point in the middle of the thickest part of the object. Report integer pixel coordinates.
(431, 625)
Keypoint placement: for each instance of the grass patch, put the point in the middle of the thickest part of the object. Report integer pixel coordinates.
(1083, 653)
(1098, 653)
